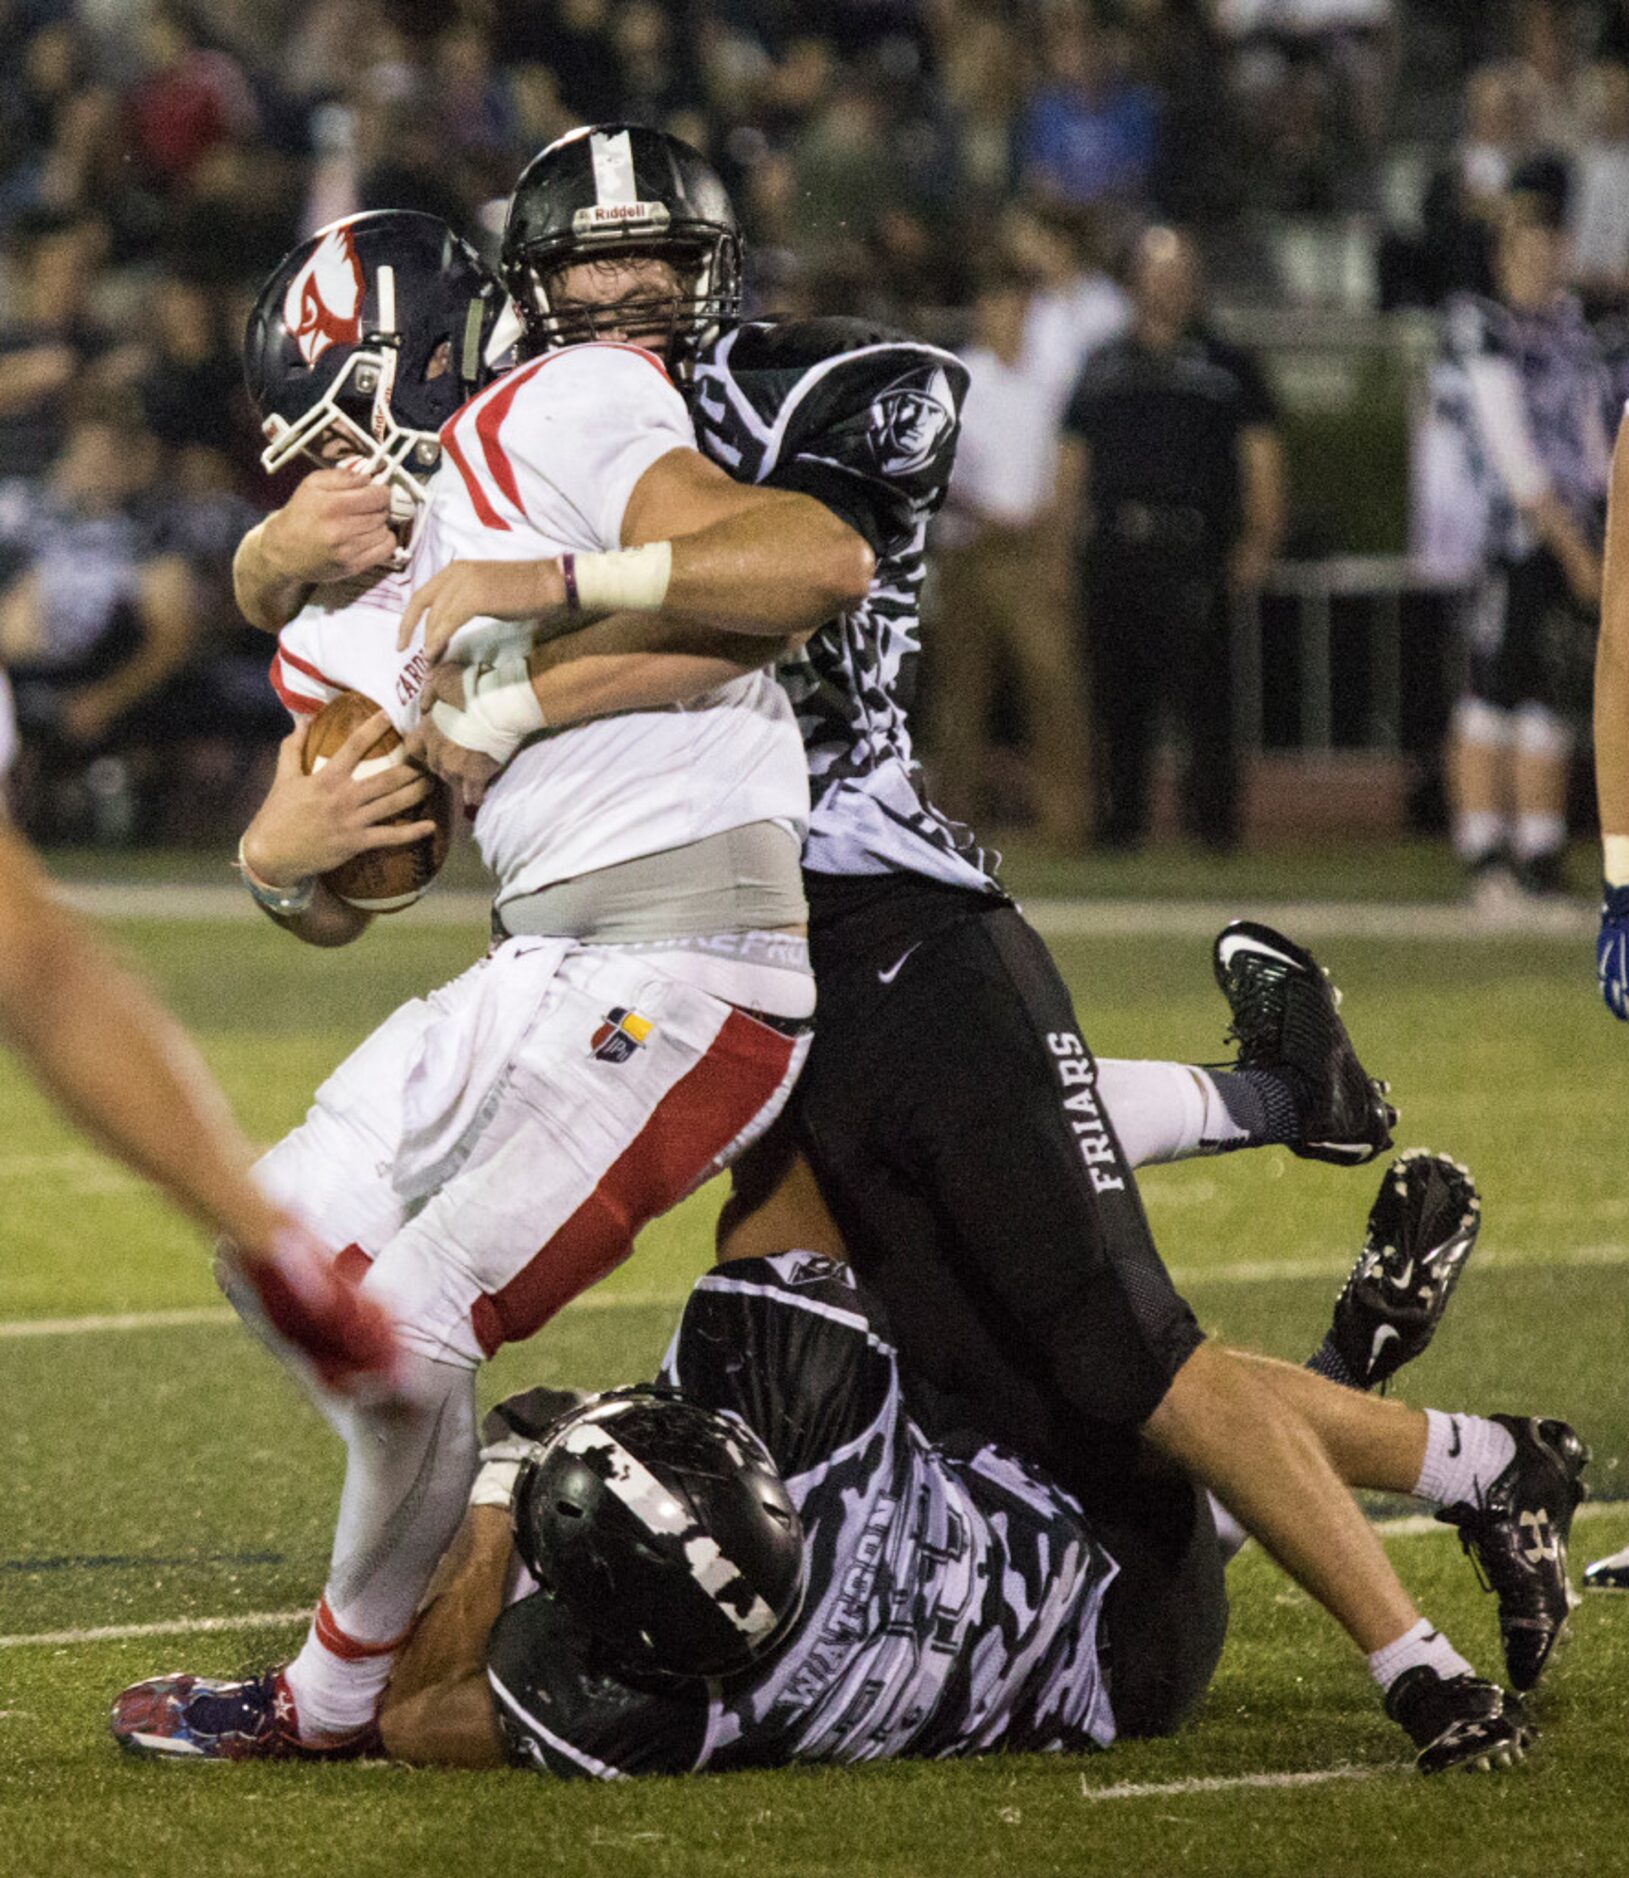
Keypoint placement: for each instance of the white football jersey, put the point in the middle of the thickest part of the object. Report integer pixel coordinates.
(541, 463)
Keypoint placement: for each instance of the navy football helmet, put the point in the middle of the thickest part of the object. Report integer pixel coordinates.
(664, 1530)
(610, 189)
(374, 331)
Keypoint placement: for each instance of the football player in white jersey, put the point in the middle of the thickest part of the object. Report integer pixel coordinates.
(493, 1149)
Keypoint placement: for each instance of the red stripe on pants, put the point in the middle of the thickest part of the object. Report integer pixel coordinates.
(689, 1128)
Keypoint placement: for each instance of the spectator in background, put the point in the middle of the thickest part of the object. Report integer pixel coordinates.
(1088, 134)
(1550, 62)
(1172, 464)
(1453, 251)
(52, 340)
(1534, 410)
(1600, 211)
(1004, 578)
(1075, 306)
(94, 619)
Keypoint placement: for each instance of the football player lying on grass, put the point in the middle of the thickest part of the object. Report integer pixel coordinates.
(785, 1550)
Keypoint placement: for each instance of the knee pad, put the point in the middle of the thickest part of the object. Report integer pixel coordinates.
(1540, 733)
(1482, 725)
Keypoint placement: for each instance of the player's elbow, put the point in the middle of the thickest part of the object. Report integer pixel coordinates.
(844, 570)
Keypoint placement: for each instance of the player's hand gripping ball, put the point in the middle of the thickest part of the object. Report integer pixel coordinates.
(380, 880)
(1612, 952)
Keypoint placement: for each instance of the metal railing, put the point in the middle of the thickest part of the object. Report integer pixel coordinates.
(1381, 583)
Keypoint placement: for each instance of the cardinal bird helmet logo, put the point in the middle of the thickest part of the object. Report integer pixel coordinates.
(323, 305)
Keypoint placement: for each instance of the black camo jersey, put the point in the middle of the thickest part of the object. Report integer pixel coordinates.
(866, 421)
(952, 1604)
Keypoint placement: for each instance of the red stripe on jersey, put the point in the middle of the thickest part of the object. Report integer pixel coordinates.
(692, 1125)
(487, 421)
(305, 665)
(295, 701)
(488, 516)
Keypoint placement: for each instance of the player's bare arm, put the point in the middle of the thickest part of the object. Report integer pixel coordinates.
(335, 526)
(129, 1075)
(1612, 741)
(630, 662)
(438, 1709)
(698, 548)
(308, 825)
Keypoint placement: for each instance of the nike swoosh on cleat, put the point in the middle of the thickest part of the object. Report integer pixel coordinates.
(1242, 942)
(888, 977)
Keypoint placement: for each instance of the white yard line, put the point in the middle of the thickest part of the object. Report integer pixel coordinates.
(1227, 1783)
(173, 1627)
(1053, 919)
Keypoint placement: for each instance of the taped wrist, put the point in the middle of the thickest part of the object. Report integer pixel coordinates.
(500, 1470)
(632, 580)
(1615, 855)
(500, 709)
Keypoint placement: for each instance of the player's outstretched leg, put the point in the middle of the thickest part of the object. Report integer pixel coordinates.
(1516, 1529)
(1286, 1017)
(1422, 1228)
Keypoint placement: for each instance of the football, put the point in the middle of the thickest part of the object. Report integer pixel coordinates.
(382, 880)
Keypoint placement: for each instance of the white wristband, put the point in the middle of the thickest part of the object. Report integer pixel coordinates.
(1615, 860)
(500, 709)
(632, 580)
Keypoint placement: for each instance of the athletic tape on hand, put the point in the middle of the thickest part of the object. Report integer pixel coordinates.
(500, 709)
(500, 1470)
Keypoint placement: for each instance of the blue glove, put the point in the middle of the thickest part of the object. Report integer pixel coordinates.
(1612, 952)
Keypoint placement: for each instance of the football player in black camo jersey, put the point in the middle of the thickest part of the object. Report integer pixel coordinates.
(956, 1124)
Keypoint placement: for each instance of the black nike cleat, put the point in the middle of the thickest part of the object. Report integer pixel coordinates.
(1608, 1574)
(1422, 1227)
(1517, 1536)
(1286, 1017)
(1457, 1721)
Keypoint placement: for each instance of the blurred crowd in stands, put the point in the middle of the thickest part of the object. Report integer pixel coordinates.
(945, 165)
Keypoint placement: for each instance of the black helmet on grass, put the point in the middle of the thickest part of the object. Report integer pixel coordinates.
(664, 1530)
(373, 331)
(621, 190)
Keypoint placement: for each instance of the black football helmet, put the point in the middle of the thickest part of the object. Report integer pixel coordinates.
(665, 1532)
(346, 338)
(609, 189)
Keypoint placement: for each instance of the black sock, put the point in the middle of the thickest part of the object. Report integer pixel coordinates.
(1327, 1360)
(1261, 1102)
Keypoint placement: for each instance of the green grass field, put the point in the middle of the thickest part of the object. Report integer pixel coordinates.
(165, 1474)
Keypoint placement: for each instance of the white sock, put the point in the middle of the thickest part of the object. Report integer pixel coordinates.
(1164, 1111)
(1539, 834)
(336, 1680)
(1230, 1535)
(1422, 1644)
(1464, 1455)
(407, 1479)
(1478, 833)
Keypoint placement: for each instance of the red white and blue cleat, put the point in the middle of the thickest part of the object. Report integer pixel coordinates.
(182, 1717)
